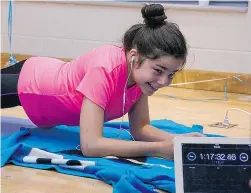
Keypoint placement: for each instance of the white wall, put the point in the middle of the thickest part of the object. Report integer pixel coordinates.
(218, 41)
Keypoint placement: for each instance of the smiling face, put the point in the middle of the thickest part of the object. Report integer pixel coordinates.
(151, 75)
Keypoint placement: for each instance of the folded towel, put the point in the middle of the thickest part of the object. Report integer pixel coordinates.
(57, 149)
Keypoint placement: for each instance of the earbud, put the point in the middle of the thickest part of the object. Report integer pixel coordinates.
(132, 60)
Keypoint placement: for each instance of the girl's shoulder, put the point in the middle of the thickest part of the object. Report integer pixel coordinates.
(109, 57)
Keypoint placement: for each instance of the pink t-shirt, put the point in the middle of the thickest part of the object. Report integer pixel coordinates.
(51, 91)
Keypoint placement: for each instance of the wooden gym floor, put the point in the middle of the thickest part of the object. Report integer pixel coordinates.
(25, 180)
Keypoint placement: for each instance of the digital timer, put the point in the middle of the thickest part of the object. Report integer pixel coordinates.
(218, 157)
(216, 168)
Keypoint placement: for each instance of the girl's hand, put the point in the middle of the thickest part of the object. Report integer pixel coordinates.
(166, 148)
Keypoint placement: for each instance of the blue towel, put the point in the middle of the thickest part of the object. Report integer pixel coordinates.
(56, 149)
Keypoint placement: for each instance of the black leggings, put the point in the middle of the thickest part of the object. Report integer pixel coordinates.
(9, 81)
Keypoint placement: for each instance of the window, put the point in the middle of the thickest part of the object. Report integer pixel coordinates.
(202, 2)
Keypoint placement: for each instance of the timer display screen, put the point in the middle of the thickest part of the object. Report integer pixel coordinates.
(221, 168)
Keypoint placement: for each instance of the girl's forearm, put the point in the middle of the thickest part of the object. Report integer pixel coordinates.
(151, 134)
(102, 147)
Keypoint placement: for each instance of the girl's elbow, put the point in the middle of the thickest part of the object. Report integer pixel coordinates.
(137, 134)
(90, 149)
(87, 149)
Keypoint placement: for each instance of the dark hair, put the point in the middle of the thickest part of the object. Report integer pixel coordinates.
(156, 37)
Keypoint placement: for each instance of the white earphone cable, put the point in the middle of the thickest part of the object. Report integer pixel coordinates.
(123, 108)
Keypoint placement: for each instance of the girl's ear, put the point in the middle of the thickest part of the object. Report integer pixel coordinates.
(133, 57)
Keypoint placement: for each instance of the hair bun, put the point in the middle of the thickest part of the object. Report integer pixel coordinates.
(154, 15)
